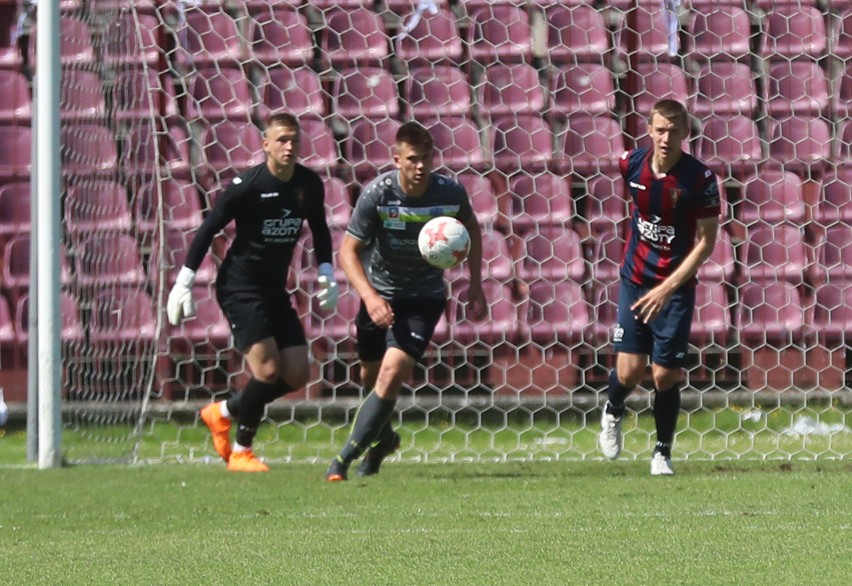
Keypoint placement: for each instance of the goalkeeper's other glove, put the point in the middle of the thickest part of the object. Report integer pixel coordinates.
(329, 291)
(180, 303)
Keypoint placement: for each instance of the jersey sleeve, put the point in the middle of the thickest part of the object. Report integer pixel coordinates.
(466, 213)
(317, 221)
(222, 212)
(709, 202)
(365, 216)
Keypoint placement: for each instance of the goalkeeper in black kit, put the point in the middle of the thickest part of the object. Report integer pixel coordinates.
(268, 203)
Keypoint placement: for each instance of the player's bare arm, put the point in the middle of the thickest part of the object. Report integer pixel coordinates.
(649, 305)
(350, 261)
(476, 297)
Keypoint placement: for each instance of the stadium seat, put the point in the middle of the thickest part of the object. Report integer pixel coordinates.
(770, 313)
(317, 148)
(280, 34)
(229, 148)
(794, 31)
(499, 33)
(439, 90)
(10, 54)
(582, 87)
(8, 336)
(606, 206)
(406, 7)
(305, 259)
(329, 330)
(721, 33)
(841, 46)
(834, 254)
(592, 144)
(711, 322)
(14, 210)
(653, 82)
(297, 90)
(801, 144)
(457, 144)
(725, 88)
(369, 148)
(16, 267)
(354, 36)
(16, 104)
(557, 313)
(844, 136)
(169, 255)
(500, 324)
(774, 253)
(365, 92)
(575, 33)
(218, 93)
(122, 318)
(841, 98)
(522, 143)
(730, 144)
(15, 153)
(140, 94)
(644, 34)
(833, 313)
(132, 40)
(144, 152)
(71, 331)
(510, 89)
(720, 266)
(553, 254)
(772, 197)
(75, 47)
(483, 199)
(434, 40)
(338, 203)
(109, 258)
(82, 97)
(541, 199)
(797, 87)
(604, 313)
(835, 203)
(88, 149)
(95, 207)
(181, 206)
(496, 260)
(211, 36)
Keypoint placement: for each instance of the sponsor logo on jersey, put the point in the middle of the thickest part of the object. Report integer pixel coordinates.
(638, 186)
(269, 195)
(282, 229)
(658, 235)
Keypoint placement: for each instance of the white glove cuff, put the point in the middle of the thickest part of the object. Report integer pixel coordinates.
(186, 277)
(326, 270)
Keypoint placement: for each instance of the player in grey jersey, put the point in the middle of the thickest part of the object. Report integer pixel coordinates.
(402, 296)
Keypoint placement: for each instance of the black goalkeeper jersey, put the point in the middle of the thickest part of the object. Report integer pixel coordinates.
(269, 214)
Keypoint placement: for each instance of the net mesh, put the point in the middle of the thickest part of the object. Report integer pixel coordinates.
(531, 104)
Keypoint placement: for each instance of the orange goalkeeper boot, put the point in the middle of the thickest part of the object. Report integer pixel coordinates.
(220, 429)
(246, 462)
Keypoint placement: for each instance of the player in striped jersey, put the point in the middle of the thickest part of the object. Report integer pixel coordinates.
(673, 224)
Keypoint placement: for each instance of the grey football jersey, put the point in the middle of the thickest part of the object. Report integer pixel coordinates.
(390, 221)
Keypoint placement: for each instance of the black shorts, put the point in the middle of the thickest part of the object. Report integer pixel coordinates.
(256, 314)
(413, 325)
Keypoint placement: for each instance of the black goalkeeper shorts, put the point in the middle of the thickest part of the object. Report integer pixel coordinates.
(414, 323)
(255, 314)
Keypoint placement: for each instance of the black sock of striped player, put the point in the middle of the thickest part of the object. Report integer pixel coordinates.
(617, 393)
(252, 403)
(369, 421)
(666, 411)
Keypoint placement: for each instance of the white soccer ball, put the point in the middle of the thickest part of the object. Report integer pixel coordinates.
(444, 242)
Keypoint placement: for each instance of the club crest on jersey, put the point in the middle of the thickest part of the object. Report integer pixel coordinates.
(675, 195)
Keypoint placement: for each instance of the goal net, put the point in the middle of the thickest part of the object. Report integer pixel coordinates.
(531, 104)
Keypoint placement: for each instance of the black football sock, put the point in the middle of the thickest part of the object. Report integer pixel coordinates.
(617, 393)
(251, 409)
(233, 405)
(275, 390)
(369, 421)
(666, 412)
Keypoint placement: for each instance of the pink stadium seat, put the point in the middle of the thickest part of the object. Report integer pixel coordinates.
(725, 88)
(834, 253)
(833, 312)
(835, 203)
(338, 203)
(653, 82)
(109, 258)
(139, 94)
(575, 33)
(75, 48)
(10, 54)
(552, 253)
(842, 41)
(844, 135)
(607, 254)
(797, 87)
(711, 322)
(794, 31)
(16, 104)
(229, 148)
(482, 198)
(604, 312)
(365, 92)
(279, 34)
(82, 96)
(500, 32)
(132, 41)
(510, 89)
(730, 144)
(439, 90)
(296, 90)
(307, 260)
(354, 36)
(775, 253)
(543, 199)
(168, 257)
(8, 337)
(605, 203)
(144, 151)
(644, 33)
(801, 145)
(219, 93)
(720, 266)
(16, 267)
(97, 206)
(770, 313)
(592, 144)
(338, 327)
(207, 328)
(181, 206)
(71, 327)
(88, 149)
(557, 313)
(773, 196)
(496, 260)
(523, 142)
(14, 210)
(434, 40)
(582, 87)
(122, 315)
(318, 149)
(841, 98)
(369, 148)
(500, 324)
(211, 37)
(457, 144)
(720, 33)
(15, 153)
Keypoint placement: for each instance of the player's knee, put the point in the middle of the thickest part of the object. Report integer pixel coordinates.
(297, 376)
(666, 379)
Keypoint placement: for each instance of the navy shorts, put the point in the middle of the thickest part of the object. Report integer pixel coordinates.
(413, 325)
(666, 338)
(257, 314)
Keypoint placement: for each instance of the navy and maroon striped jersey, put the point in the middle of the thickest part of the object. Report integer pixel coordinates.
(663, 214)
